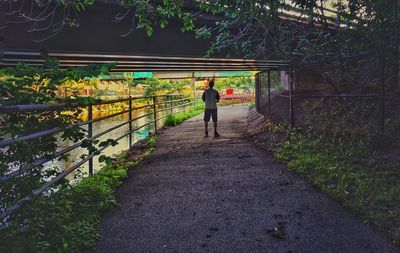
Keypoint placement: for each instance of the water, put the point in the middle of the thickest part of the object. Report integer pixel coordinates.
(75, 155)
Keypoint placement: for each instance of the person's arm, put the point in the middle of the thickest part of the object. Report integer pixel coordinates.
(203, 97)
(217, 97)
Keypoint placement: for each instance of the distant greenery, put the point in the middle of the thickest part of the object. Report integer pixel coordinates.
(155, 86)
(348, 172)
(242, 83)
(176, 119)
(66, 220)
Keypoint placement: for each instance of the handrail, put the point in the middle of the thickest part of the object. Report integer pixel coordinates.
(49, 132)
(60, 106)
(44, 160)
(153, 109)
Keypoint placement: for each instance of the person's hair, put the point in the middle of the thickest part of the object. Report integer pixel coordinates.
(211, 83)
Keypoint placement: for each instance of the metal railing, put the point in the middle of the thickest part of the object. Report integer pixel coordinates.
(155, 105)
(359, 92)
(237, 97)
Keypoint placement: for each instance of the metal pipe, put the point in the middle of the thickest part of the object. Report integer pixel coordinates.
(171, 107)
(53, 131)
(91, 155)
(130, 122)
(155, 113)
(336, 96)
(90, 135)
(44, 160)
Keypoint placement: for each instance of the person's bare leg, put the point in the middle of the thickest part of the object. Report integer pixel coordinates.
(206, 127)
(216, 134)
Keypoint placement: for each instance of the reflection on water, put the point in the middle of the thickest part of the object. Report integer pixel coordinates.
(75, 156)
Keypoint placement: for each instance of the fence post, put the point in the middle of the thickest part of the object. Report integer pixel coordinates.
(194, 90)
(155, 113)
(269, 91)
(171, 103)
(257, 91)
(130, 122)
(90, 135)
(381, 78)
(291, 122)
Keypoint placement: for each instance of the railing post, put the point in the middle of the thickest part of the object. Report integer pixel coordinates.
(155, 113)
(90, 135)
(194, 90)
(257, 91)
(171, 103)
(130, 122)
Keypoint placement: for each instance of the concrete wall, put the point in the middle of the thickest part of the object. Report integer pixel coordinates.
(305, 81)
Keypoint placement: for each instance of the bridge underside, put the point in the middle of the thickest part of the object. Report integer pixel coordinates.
(140, 63)
(100, 40)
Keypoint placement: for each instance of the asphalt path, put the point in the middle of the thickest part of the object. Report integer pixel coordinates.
(198, 194)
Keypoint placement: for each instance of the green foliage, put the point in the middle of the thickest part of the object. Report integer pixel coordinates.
(176, 119)
(155, 86)
(151, 145)
(371, 22)
(36, 85)
(66, 220)
(242, 83)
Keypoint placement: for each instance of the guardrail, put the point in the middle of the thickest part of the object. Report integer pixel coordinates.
(155, 105)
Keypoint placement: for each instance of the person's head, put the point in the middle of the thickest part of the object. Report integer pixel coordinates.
(211, 83)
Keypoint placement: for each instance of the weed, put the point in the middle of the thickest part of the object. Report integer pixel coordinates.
(176, 119)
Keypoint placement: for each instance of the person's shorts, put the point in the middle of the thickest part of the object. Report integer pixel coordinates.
(208, 113)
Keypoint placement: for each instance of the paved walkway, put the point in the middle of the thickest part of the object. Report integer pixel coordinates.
(196, 194)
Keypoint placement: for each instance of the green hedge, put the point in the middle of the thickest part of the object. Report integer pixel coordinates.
(66, 220)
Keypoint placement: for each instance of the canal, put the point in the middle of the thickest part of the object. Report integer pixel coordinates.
(77, 154)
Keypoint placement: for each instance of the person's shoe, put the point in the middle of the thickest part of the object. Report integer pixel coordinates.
(216, 134)
(206, 134)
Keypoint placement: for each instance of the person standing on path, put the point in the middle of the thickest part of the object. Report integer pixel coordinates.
(210, 98)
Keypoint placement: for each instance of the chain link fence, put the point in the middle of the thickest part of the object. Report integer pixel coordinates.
(340, 97)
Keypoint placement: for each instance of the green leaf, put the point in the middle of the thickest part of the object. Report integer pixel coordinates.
(149, 31)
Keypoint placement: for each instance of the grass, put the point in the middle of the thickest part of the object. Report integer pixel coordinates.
(176, 119)
(358, 182)
(66, 220)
